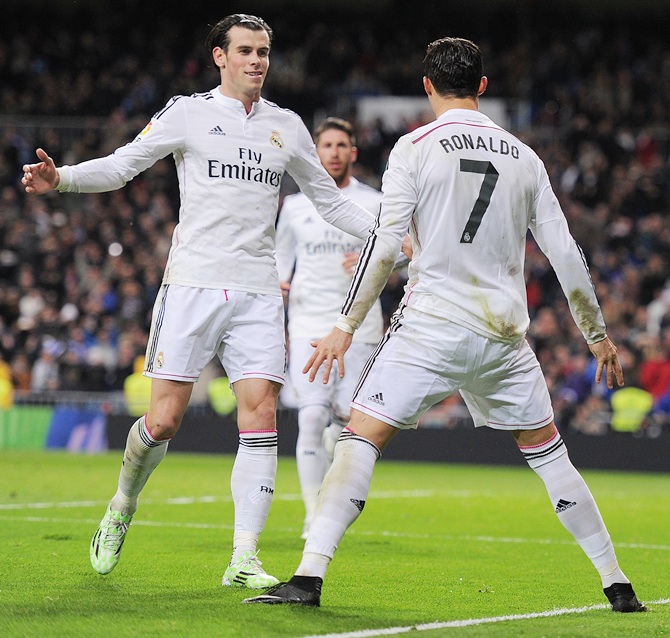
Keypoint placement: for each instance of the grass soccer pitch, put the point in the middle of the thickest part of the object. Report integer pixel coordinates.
(443, 550)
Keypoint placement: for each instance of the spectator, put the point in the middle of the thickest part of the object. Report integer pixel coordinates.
(654, 375)
(20, 372)
(45, 371)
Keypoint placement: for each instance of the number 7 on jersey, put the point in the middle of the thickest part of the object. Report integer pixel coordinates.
(490, 178)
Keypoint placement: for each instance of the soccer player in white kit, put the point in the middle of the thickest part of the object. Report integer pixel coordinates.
(220, 294)
(315, 258)
(469, 191)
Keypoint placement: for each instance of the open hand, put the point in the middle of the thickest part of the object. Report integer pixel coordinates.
(329, 349)
(41, 177)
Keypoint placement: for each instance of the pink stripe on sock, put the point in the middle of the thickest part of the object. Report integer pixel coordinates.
(243, 432)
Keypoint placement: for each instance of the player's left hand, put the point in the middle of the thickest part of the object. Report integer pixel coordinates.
(329, 349)
(608, 361)
(407, 247)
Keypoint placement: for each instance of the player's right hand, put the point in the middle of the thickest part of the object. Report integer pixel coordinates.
(41, 177)
(327, 350)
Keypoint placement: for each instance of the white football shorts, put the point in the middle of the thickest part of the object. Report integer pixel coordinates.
(337, 393)
(190, 326)
(423, 359)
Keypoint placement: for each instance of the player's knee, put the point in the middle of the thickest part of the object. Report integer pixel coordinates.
(527, 438)
(256, 404)
(262, 416)
(373, 430)
(163, 426)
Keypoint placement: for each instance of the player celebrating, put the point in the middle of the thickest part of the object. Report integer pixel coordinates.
(220, 294)
(309, 253)
(469, 191)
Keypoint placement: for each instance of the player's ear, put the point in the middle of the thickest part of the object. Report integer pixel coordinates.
(483, 83)
(219, 57)
(428, 86)
(354, 154)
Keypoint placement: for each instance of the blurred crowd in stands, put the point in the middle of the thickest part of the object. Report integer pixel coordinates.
(79, 274)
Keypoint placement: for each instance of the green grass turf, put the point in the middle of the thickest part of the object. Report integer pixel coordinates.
(436, 543)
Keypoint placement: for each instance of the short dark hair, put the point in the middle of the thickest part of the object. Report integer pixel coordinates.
(454, 66)
(335, 123)
(219, 34)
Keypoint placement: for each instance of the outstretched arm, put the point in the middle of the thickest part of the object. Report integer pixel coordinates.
(41, 177)
(315, 182)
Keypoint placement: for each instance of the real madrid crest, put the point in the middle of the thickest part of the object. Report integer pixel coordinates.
(276, 140)
(160, 360)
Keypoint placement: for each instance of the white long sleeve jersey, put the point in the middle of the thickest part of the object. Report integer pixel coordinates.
(312, 251)
(229, 166)
(469, 191)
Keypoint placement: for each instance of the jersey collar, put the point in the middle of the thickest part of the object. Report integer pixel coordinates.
(464, 114)
(233, 104)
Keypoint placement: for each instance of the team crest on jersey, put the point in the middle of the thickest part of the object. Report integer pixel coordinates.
(276, 140)
(160, 360)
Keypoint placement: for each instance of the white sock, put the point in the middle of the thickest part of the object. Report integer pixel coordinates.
(574, 505)
(309, 454)
(142, 455)
(343, 495)
(252, 484)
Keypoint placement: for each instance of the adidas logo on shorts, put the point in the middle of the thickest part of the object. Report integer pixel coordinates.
(377, 398)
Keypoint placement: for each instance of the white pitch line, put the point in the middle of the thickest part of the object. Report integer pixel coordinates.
(38, 506)
(469, 622)
(95, 521)
(353, 532)
(189, 500)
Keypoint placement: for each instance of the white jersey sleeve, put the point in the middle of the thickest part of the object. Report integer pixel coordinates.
(320, 188)
(551, 232)
(380, 253)
(116, 170)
